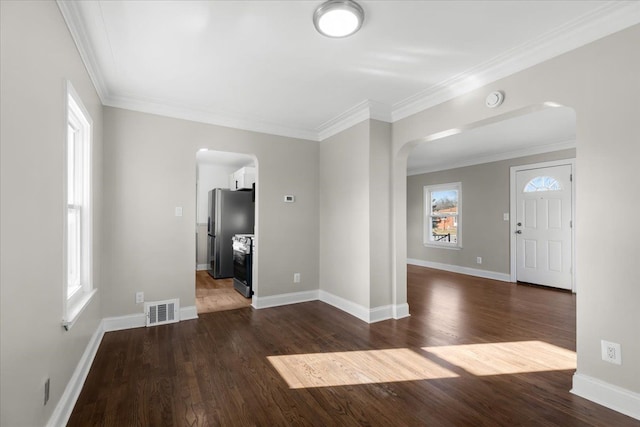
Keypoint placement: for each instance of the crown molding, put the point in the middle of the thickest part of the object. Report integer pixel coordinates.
(531, 151)
(203, 116)
(365, 110)
(71, 15)
(609, 18)
(605, 20)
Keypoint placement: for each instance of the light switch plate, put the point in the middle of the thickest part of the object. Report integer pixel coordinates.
(178, 210)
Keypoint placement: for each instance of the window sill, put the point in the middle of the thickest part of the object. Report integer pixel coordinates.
(451, 248)
(74, 311)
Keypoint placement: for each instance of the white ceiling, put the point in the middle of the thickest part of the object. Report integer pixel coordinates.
(260, 65)
(542, 131)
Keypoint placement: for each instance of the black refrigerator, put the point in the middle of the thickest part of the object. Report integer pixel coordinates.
(230, 213)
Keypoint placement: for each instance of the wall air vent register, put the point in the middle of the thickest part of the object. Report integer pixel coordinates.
(162, 312)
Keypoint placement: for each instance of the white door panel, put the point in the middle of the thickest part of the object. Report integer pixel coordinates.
(543, 218)
(529, 253)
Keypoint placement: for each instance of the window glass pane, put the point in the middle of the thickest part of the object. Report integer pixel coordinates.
(444, 202)
(71, 166)
(73, 250)
(542, 183)
(444, 229)
(444, 216)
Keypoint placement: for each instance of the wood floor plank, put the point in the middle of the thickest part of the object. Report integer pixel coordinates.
(217, 294)
(474, 352)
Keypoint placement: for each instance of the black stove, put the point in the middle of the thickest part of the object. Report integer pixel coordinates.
(243, 264)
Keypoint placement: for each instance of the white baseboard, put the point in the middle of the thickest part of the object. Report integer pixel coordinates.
(613, 397)
(373, 315)
(284, 299)
(401, 311)
(202, 267)
(188, 313)
(63, 409)
(369, 315)
(138, 320)
(503, 277)
(378, 314)
(120, 323)
(347, 306)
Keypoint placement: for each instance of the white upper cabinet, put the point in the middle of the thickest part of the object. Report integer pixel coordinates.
(243, 178)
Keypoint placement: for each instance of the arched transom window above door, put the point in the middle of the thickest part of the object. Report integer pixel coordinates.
(542, 183)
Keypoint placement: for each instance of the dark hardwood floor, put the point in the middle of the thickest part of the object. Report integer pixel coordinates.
(217, 294)
(474, 352)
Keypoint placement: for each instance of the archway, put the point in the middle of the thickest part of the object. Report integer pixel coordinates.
(222, 175)
(400, 164)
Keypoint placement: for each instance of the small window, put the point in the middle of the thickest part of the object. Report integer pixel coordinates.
(542, 183)
(78, 288)
(442, 215)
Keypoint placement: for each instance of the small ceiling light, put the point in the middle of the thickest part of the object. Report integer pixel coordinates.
(338, 18)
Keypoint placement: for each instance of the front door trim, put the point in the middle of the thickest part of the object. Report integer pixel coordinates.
(512, 212)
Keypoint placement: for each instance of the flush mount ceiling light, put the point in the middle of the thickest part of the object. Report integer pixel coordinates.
(338, 18)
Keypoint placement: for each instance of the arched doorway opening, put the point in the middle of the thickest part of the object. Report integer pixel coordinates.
(225, 227)
(439, 149)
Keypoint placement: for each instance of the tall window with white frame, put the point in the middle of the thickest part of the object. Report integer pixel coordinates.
(78, 288)
(442, 219)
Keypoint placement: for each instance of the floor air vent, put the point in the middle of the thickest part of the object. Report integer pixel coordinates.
(162, 312)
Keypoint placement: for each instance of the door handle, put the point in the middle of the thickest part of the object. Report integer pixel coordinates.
(518, 231)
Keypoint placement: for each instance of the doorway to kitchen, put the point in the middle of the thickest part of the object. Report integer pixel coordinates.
(225, 204)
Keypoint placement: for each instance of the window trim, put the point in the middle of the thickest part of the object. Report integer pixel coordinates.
(78, 118)
(426, 214)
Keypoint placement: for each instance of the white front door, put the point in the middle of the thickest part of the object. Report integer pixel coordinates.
(543, 226)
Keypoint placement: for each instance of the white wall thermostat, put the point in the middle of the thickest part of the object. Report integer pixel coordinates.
(289, 199)
(494, 99)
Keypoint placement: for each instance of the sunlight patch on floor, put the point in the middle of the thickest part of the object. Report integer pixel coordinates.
(356, 367)
(403, 364)
(506, 358)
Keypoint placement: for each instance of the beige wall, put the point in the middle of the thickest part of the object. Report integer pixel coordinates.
(380, 211)
(600, 81)
(485, 198)
(344, 214)
(37, 56)
(355, 214)
(150, 169)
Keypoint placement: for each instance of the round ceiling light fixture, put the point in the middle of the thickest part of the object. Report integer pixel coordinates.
(338, 18)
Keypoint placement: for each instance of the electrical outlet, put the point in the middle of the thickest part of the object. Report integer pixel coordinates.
(611, 352)
(139, 297)
(296, 277)
(47, 384)
(479, 260)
